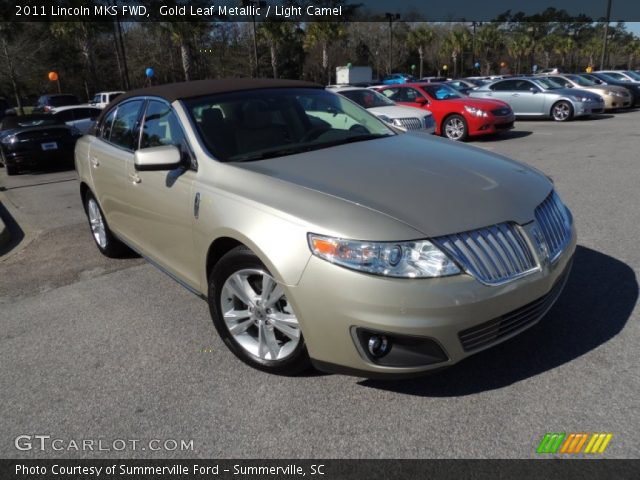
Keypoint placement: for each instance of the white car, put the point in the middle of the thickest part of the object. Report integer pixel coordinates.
(404, 118)
(102, 99)
(79, 116)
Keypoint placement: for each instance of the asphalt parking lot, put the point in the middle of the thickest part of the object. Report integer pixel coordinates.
(92, 348)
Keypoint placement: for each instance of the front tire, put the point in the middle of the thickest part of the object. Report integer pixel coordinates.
(253, 316)
(106, 242)
(562, 111)
(455, 128)
(11, 169)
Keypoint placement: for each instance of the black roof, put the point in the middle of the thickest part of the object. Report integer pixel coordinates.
(199, 88)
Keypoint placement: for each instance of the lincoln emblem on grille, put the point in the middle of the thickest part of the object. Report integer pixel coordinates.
(541, 246)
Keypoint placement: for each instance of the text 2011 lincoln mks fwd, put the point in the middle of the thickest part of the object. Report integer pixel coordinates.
(353, 249)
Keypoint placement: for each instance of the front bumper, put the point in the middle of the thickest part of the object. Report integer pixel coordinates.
(588, 108)
(331, 302)
(491, 124)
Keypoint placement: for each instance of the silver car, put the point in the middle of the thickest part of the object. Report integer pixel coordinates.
(542, 97)
(344, 245)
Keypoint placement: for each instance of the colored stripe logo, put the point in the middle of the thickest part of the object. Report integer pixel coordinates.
(573, 443)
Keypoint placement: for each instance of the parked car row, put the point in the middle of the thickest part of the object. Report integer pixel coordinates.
(49, 134)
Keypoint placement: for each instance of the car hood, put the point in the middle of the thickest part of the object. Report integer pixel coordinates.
(398, 111)
(482, 103)
(433, 185)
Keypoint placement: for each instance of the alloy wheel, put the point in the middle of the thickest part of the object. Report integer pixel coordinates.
(561, 112)
(454, 129)
(258, 315)
(97, 223)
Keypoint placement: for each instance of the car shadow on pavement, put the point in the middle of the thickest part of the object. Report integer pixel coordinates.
(16, 234)
(598, 299)
(498, 137)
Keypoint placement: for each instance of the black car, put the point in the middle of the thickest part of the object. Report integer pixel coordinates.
(47, 102)
(34, 140)
(604, 79)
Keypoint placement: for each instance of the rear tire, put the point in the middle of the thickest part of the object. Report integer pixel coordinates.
(258, 326)
(455, 128)
(562, 111)
(106, 242)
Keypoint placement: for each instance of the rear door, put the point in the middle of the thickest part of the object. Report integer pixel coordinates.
(160, 207)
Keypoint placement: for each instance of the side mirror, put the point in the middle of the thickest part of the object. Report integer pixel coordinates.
(534, 90)
(165, 157)
(421, 101)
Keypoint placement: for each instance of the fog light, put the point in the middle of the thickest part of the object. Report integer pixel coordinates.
(378, 346)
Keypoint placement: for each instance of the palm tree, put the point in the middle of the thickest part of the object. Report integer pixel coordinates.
(519, 46)
(420, 38)
(456, 43)
(490, 39)
(632, 50)
(82, 34)
(275, 33)
(564, 47)
(323, 34)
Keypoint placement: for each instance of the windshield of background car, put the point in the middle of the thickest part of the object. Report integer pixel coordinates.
(267, 123)
(616, 76)
(62, 100)
(633, 75)
(441, 92)
(367, 98)
(548, 84)
(28, 121)
(583, 82)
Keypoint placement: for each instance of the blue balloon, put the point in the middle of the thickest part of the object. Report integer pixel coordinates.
(477, 64)
(149, 72)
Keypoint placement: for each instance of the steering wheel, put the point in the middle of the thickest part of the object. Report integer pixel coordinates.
(314, 133)
(358, 128)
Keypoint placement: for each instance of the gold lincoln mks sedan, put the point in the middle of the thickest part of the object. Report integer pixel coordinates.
(318, 234)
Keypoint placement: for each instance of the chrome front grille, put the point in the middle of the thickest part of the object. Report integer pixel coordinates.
(555, 222)
(487, 333)
(493, 255)
(411, 123)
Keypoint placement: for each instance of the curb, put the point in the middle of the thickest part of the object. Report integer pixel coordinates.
(5, 235)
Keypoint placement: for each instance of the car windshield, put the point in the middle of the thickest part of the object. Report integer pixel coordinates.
(267, 123)
(441, 92)
(616, 76)
(61, 100)
(606, 77)
(367, 98)
(583, 82)
(548, 84)
(633, 75)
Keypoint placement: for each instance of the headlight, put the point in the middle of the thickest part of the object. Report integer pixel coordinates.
(613, 94)
(476, 112)
(416, 259)
(9, 139)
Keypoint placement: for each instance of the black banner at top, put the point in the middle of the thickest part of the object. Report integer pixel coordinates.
(317, 10)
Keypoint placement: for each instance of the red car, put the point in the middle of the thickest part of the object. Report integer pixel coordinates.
(457, 116)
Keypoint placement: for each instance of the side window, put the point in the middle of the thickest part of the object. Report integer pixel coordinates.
(505, 86)
(561, 81)
(410, 94)
(82, 113)
(524, 86)
(107, 123)
(393, 94)
(161, 127)
(124, 125)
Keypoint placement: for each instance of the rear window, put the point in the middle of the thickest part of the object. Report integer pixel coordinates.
(61, 100)
(26, 121)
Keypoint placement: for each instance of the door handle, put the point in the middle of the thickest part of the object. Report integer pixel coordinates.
(515, 94)
(95, 163)
(196, 205)
(134, 178)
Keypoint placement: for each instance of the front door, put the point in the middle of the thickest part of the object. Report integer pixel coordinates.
(160, 215)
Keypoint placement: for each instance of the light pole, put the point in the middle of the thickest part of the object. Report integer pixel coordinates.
(258, 4)
(392, 17)
(606, 36)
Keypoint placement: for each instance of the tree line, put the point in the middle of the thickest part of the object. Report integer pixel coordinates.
(94, 56)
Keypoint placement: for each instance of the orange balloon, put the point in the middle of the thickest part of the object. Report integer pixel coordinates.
(503, 64)
(53, 76)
